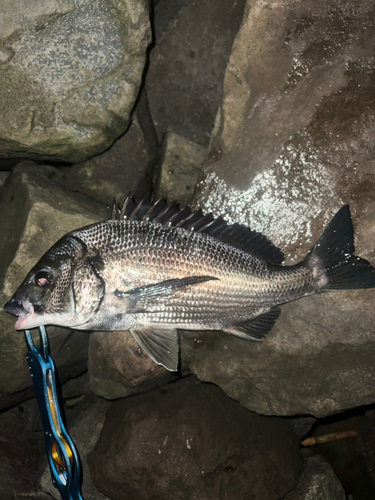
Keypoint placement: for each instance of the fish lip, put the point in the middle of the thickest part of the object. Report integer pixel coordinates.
(23, 310)
(14, 307)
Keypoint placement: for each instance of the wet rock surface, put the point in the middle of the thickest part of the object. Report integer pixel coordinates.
(188, 440)
(71, 72)
(36, 210)
(297, 109)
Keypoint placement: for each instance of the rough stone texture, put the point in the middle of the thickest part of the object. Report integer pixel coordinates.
(180, 166)
(317, 481)
(35, 211)
(126, 167)
(118, 368)
(85, 423)
(188, 441)
(70, 75)
(298, 112)
(186, 71)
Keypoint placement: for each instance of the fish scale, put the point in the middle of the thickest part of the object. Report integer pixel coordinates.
(152, 269)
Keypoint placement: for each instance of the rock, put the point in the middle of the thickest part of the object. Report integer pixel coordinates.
(180, 166)
(128, 166)
(71, 73)
(35, 211)
(302, 425)
(184, 80)
(188, 440)
(84, 426)
(3, 178)
(298, 105)
(317, 481)
(22, 457)
(118, 368)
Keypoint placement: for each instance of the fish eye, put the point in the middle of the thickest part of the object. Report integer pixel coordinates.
(43, 278)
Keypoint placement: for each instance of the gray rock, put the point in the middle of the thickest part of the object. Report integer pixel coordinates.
(70, 75)
(184, 80)
(317, 480)
(297, 109)
(118, 368)
(187, 441)
(128, 166)
(35, 211)
(180, 166)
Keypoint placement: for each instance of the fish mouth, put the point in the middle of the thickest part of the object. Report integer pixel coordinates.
(24, 311)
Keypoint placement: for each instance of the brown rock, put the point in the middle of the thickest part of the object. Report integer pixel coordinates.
(187, 441)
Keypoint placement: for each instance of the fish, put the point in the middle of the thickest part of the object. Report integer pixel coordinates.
(153, 269)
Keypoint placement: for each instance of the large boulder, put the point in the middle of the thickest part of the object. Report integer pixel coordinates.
(36, 210)
(291, 149)
(188, 440)
(70, 75)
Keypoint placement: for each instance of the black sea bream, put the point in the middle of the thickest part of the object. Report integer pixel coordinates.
(153, 269)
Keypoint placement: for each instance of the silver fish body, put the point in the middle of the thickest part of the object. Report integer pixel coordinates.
(153, 275)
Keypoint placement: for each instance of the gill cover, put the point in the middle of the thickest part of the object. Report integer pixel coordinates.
(88, 290)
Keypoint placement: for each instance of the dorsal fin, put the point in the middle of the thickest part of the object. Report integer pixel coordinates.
(234, 234)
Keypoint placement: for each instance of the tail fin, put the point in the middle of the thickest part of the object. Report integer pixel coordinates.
(333, 253)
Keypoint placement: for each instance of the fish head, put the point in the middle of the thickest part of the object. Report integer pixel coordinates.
(62, 289)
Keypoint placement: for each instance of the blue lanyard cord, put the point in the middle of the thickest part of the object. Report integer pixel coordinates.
(62, 456)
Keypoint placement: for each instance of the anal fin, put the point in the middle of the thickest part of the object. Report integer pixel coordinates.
(256, 328)
(160, 344)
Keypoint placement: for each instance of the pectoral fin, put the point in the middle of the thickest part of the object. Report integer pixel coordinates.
(161, 345)
(256, 328)
(141, 298)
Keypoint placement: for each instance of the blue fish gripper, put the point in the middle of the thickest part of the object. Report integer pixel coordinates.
(62, 456)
